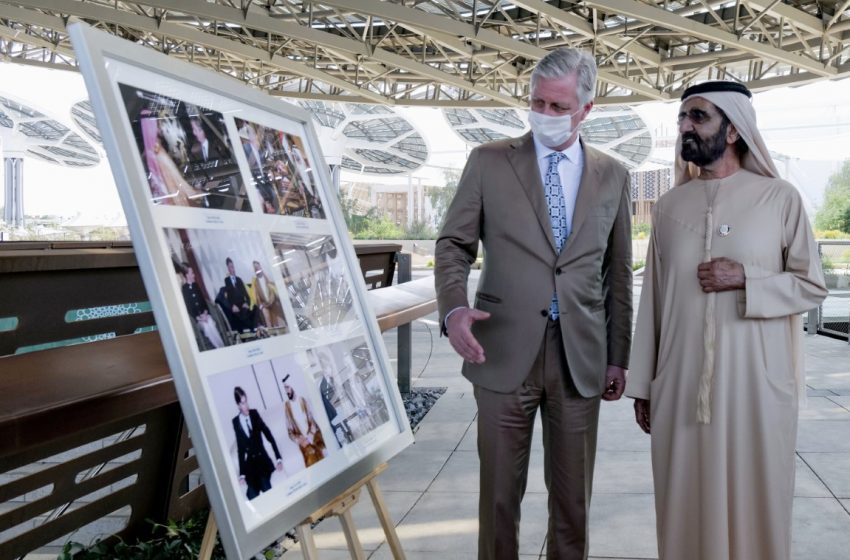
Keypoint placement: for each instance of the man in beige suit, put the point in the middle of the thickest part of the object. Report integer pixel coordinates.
(550, 327)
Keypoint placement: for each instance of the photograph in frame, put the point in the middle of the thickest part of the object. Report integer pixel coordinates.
(279, 171)
(186, 152)
(225, 279)
(270, 427)
(352, 394)
(297, 419)
(316, 281)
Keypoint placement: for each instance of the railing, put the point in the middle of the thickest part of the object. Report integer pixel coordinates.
(833, 315)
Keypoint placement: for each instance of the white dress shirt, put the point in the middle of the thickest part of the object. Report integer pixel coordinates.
(569, 169)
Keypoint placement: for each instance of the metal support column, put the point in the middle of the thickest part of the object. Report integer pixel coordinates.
(405, 336)
(13, 212)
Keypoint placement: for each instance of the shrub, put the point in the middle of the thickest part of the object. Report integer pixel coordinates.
(831, 234)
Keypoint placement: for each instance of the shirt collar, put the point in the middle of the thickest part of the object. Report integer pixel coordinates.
(573, 152)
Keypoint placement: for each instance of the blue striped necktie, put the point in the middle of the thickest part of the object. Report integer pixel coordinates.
(557, 212)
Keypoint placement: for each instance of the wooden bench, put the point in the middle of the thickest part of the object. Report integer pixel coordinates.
(106, 412)
(377, 263)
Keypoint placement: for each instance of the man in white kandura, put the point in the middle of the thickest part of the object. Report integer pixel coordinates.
(717, 364)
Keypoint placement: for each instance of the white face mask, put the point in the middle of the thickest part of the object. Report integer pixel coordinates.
(551, 131)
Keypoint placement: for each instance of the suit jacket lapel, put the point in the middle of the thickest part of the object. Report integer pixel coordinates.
(523, 158)
(587, 193)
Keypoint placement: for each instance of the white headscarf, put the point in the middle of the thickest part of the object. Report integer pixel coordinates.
(739, 109)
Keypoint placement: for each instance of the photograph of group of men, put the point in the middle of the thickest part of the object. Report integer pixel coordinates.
(227, 286)
(315, 278)
(280, 171)
(282, 416)
(185, 151)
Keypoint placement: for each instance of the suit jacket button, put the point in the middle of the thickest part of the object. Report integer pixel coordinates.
(558, 271)
(544, 312)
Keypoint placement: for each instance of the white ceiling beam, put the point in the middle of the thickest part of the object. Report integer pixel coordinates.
(802, 20)
(259, 19)
(585, 29)
(424, 22)
(194, 36)
(663, 18)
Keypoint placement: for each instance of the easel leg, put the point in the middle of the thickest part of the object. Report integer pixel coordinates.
(351, 537)
(208, 542)
(385, 519)
(308, 544)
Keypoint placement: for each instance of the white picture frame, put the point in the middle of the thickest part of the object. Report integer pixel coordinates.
(253, 282)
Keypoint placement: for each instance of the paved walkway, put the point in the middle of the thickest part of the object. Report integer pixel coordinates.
(432, 487)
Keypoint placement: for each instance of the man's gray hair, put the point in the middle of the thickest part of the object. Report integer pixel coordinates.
(562, 62)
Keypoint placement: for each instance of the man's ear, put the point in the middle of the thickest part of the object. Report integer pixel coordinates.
(732, 134)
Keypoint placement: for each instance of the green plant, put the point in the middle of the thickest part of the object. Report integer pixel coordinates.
(831, 234)
(175, 540)
(430, 263)
(834, 213)
(638, 264)
(419, 230)
(640, 231)
(441, 197)
(380, 229)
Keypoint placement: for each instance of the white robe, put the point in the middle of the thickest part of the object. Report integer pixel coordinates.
(724, 491)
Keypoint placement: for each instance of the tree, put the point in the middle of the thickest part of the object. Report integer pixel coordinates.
(441, 197)
(355, 221)
(834, 214)
(419, 230)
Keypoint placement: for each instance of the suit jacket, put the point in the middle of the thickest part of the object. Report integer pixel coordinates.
(236, 294)
(213, 151)
(195, 302)
(328, 393)
(254, 461)
(500, 201)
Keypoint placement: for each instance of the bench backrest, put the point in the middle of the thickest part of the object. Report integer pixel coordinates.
(60, 293)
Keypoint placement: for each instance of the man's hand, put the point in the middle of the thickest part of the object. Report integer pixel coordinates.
(459, 327)
(720, 275)
(642, 414)
(615, 383)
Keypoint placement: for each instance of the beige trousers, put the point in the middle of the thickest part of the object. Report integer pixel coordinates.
(505, 426)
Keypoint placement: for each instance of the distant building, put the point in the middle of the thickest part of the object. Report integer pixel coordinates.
(647, 188)
(401, 204)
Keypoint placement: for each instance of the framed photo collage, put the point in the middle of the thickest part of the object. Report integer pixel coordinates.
(278, 362)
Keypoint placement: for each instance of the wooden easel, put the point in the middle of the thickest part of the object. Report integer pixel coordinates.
(339, 507)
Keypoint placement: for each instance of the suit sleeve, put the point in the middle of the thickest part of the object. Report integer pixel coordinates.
(800, 286)
(457, 245)
(264, 429)
(240, 446)
(618, 282)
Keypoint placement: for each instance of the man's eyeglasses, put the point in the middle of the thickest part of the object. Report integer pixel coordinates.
(696, 116)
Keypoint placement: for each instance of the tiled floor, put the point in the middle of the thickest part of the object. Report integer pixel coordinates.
(432, 487)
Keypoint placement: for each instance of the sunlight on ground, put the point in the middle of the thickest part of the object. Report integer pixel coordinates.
(375, 535)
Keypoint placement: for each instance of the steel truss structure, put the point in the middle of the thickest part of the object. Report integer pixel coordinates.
(456, 53)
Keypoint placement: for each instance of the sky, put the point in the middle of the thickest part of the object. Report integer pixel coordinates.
(809, 124)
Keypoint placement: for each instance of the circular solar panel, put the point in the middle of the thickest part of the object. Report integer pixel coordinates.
(377, 140)
(617, 131)
(29, 131)
(83, 116)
